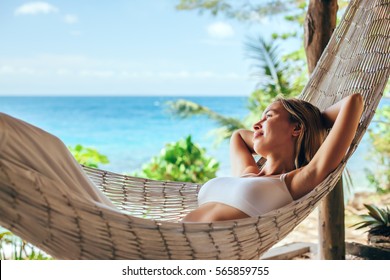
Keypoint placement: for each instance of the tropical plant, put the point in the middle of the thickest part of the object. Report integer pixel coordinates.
(13, 247)
(379, 134)
(377, 220)
(181, 161)
(185, 108)
(254, 11)
(378, 223)
(270, 71)
(240, 10)
(88, 156)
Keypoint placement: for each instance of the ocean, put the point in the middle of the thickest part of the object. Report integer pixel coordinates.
(131, 130)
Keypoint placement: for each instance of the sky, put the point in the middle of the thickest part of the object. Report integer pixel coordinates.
(122, 47)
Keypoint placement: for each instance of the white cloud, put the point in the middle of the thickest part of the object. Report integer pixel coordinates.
(71, 19)
(7, 70)
(34, 8)
(220, 30)
(17, 70)
(69, 70)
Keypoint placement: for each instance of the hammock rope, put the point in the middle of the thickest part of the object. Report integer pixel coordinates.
(145, 224)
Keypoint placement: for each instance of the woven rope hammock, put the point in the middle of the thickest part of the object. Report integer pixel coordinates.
(145, 224)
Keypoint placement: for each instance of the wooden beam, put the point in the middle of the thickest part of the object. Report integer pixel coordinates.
(367, 252)
(319, 25)
(331, 225)
(289, 251)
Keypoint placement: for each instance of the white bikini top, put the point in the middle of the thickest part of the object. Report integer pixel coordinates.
(252, 195)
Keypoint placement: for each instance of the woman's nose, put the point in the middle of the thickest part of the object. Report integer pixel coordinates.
(257, 125)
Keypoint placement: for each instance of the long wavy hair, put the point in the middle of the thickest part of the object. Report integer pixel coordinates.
(308, 117)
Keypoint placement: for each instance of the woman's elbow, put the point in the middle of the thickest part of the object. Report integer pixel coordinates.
(357, 100)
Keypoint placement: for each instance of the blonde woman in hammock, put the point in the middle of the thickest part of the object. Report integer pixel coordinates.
(288, 135)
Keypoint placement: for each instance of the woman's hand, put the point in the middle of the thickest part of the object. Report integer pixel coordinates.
(241, 153)
(329, 116)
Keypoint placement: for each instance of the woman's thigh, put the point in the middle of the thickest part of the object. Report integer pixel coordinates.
(214, 211)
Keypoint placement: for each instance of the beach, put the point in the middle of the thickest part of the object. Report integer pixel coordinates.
(307, 231)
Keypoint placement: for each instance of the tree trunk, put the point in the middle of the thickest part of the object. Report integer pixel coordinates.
(320, 23)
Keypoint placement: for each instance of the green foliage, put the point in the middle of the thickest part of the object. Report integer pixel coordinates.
(15, 248)
(379, 134)
(270, 71)
(276, 75)
(240, 10)
(181, 161)
(377, 220)
(88, 156)
(185, 108)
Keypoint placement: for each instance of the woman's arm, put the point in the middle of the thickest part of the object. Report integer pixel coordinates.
(330, 114)
(344, 118)
(241, 153)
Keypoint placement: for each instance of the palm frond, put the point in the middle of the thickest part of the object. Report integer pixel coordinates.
(185, 108)
(267, 64)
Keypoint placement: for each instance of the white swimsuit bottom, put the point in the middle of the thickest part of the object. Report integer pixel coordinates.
(252, 195)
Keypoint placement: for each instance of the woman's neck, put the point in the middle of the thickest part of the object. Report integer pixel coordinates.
(275, 166)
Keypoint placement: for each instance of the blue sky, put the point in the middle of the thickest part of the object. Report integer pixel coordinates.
(121, 47)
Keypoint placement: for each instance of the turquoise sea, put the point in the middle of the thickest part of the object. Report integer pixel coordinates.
(130, 130)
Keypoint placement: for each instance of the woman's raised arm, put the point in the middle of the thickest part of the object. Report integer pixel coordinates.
(241, 153)
(344, 118)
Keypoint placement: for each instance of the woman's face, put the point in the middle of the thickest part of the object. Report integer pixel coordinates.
(274, 131)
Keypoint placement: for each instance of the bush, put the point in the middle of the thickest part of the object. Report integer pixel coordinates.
(380, 139)
(181, 161)
(88, 156)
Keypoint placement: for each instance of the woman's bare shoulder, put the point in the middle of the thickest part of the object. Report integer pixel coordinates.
(300, 181)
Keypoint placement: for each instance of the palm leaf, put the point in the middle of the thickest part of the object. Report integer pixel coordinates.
(269, 68)
(185, 109)
(376, 213)
(376, 218)
(364, 224)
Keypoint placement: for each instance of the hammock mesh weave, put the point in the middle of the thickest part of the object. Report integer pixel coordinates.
(145, 225)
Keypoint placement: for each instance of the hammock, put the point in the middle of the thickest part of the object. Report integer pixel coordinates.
(145, 224)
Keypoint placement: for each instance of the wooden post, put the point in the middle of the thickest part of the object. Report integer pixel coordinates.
(331, 225)
(319, 25)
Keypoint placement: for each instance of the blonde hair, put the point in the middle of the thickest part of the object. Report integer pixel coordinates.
(308, 117)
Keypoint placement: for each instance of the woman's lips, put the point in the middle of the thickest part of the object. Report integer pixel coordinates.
(257, 134)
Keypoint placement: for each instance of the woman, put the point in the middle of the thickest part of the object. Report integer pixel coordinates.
(289, 136)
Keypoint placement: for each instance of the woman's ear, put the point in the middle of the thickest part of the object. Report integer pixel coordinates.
(297, 130)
